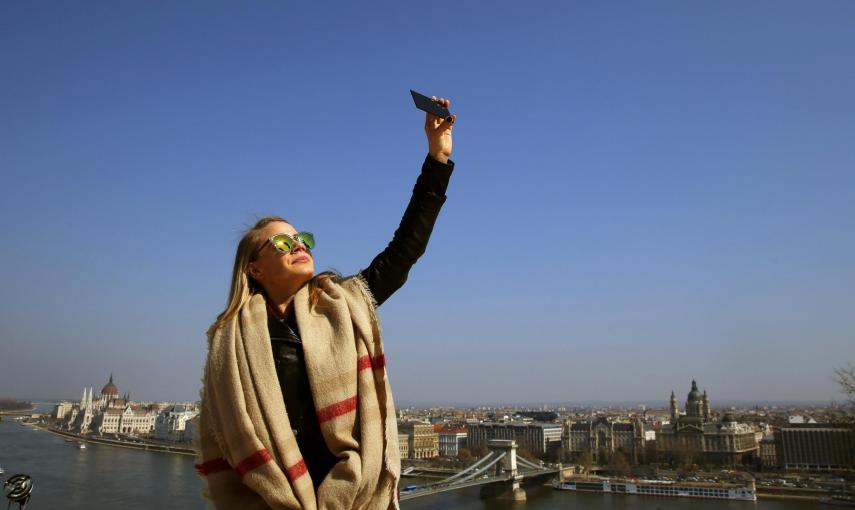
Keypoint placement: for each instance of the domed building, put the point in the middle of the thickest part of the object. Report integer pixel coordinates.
(109, 395)
(697, 408)
(109, 389)
(696, 437)
(108, 414)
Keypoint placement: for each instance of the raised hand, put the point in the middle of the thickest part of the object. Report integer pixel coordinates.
(438, 133)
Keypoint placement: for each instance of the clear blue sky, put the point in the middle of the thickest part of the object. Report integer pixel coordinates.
(645, 193)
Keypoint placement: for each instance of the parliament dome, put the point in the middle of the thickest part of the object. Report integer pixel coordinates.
(110, 388)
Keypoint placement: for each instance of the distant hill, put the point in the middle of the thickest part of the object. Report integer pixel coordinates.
(15, 405)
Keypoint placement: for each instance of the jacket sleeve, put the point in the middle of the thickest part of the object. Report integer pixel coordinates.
(388, 271)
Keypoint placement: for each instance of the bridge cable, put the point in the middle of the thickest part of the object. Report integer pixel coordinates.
(468, 469)
(528, 463)
(485, 468)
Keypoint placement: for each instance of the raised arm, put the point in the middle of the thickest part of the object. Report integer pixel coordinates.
(388, 271)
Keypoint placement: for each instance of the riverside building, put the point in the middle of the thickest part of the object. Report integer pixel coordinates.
(537, 438)
(111, 414)
(422, 441)
(817, 447)
(451, 441)
(404, 446)
(602, 436)
(697, 436)
(171, 422)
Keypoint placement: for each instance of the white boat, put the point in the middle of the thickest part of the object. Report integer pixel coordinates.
(82, 446)
(2, 470)
(735, 491)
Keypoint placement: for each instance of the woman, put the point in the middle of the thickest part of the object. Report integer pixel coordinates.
(296, 406)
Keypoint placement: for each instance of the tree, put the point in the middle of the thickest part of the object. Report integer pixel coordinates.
(845, 377)
(586, 460)
(651, 452)
(604, 456)
(478, 451)
(619, 465)
(553, 455)
(523, 452)
(684, 454)
(565, 455)
(465, 456)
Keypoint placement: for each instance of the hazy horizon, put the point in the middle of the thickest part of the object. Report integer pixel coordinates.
(645, 194)
(650, 405)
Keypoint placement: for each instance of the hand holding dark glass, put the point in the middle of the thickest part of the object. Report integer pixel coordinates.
(438, 131)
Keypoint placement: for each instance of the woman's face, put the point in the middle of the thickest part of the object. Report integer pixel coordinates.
(275, 270)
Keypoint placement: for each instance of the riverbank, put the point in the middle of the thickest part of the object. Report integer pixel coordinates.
(783, 493)
(141, 445)
(786, 497)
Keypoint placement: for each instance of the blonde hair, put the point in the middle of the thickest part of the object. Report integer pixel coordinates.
(243, 287)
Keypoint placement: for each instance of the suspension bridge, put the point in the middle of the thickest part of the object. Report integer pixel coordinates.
(500, 468)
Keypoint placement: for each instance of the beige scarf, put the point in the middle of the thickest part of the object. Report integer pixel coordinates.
(247, 450)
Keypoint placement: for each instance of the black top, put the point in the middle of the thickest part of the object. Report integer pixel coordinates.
(386, 274)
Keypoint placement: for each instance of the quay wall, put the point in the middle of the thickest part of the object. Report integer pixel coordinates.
(152, 447)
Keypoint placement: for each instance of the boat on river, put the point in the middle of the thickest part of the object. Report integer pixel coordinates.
(745, 491)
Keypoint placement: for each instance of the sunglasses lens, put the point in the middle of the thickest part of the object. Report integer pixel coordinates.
(307, 239)
(282, 243)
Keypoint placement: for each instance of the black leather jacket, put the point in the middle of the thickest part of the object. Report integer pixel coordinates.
(386, 274)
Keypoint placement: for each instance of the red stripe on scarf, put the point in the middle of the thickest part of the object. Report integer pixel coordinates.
(216, 465)
(212, 466)
(337, 409)
(368, 362)
(363, 363)
(297, 470)
(255, 460)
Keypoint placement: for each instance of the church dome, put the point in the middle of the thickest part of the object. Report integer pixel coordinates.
(728, 418)
(694, 395)
(110, 388)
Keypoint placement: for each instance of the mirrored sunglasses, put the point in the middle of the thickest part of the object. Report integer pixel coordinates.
(284, 243)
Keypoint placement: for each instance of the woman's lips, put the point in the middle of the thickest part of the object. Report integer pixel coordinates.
(300, 259)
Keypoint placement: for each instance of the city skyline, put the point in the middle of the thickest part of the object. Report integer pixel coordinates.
(628, 404)
(643, 194)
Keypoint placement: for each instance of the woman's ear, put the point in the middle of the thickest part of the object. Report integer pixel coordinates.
(253, 271)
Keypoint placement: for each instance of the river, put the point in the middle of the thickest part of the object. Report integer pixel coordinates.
(104, 477)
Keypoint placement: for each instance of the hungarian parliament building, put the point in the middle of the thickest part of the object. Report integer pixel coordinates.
(111, 414)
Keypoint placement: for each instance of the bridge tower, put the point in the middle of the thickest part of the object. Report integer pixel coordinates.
(508, 467)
